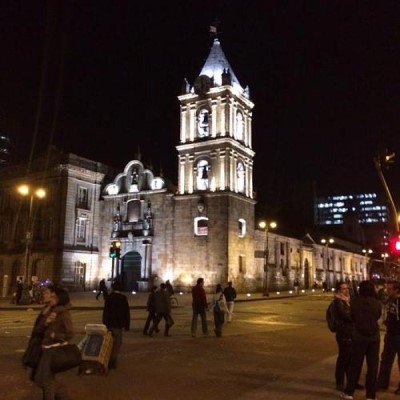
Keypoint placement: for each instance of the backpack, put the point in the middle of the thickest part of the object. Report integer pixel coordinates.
(331, 317)
(365, 320)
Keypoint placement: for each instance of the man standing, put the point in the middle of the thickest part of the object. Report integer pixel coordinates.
(230, 296)
(199, 306)
(18, 293)
(116, 316)
(392, 337)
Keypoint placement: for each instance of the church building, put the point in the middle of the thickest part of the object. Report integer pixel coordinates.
(133, 225)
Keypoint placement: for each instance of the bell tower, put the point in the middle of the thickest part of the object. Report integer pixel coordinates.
(214, 205)
(215, 151)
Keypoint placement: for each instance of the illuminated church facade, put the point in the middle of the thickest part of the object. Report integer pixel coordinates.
(133, 225)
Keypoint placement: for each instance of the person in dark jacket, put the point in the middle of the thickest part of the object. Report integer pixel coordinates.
(116, 316)
(18, 294)
(344, 333)
(58, 330)
(392, 337)
(230, 296)
(162, 304)
(199, 306)
(102, 289)
(151, 309)
(365, 311)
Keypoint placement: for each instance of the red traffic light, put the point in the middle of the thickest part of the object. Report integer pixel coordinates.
(395, 245)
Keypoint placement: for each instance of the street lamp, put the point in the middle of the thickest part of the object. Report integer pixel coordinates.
(265, 226)
(39, 193)
(326, 243)
(384, 256)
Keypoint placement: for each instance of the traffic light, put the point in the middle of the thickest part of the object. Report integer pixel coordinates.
(113, 252)
(115, 249)
(395, 245)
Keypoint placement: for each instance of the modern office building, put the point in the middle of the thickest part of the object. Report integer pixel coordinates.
(369, 208)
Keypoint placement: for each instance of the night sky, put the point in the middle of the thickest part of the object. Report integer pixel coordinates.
(104, 76)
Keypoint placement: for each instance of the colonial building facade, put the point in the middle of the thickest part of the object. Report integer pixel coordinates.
(203, 227)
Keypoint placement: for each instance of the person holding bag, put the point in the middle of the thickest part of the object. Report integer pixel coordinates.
(55, 357)
(219, 308)
(32, 354)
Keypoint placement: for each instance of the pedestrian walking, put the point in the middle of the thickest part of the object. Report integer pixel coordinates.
(151, 309)
(58, 330)
(170, 289)
(365, 311)
(116, 316)
(230, 296)
(199, 306)
(163, 310)
(219, 308)
(391, 346)
(102, 289)
(18, 293)
(296, 286)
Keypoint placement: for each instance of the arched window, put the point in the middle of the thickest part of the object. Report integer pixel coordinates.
(201, 226)
(239, 126)
(202, 177)
(203, 126)
(240, 177)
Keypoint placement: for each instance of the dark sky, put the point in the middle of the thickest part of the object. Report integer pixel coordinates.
(103, 76)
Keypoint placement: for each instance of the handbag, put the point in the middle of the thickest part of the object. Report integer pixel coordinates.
(65, 357)
(32, 354)
(221, 305)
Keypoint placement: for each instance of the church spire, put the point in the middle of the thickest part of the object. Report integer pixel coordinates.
(217, 68)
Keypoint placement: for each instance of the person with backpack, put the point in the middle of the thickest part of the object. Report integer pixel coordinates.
(392, 337)
(365, 311)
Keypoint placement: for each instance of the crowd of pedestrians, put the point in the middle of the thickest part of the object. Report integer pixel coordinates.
(357, 316)
(46, 353)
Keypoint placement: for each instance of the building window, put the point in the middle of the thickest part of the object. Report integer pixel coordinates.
(242, 227)
(239, 126)
(240, 177)
(81, 225)
(83, 197)
(202, 176)
(203, 123)
(242, 264)
(134, 210)
(79, 273)
(201, 226)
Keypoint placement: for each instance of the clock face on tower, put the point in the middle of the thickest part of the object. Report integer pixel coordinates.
(202, 84)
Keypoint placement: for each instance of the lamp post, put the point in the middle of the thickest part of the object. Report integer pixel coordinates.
(384, 256)
(367, 253)
(39, 193)
(326, 243)
(265, 226)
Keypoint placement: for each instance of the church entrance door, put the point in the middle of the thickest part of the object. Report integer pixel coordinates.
(131, 271)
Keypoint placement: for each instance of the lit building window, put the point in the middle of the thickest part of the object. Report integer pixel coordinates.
(201, 226)
(240, 177)
(83, 197)
(202, 175)
(81, 224)
(239, 126)
(203, 123)
(242, 227)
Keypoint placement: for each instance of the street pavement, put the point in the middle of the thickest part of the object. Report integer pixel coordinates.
(311, 380)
